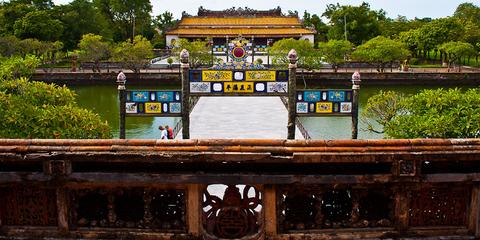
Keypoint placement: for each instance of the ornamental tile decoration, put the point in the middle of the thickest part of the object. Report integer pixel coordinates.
(324, 102)
(238, 82)
(153, 103)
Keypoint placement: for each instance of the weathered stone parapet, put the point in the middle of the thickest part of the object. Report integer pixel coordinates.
(238, 145)
(272, 189)
(311, 78)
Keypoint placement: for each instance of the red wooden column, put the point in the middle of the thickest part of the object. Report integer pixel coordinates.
(474, 214)
(270, 210)
(194, 209)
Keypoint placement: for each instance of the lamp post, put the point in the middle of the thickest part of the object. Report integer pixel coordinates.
(253, 49)
(210, 43)
(292, 88)
(356, 81)
(185, 67)
(269, 44)
(227, 47)
(121, 81)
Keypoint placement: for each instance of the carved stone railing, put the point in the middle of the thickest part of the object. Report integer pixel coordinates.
(239, 189)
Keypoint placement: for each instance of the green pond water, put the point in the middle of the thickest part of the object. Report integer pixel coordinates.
(104, 101)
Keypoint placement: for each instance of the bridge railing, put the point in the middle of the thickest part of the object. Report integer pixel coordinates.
(298, 122)
(178, 125)
(230, 189)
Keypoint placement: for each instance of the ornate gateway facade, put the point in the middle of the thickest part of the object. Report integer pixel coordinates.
(260, 27)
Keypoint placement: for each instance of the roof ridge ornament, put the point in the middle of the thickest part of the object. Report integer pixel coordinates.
(235, 12)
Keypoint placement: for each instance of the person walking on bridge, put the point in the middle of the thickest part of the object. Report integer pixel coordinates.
(169, 132)
(163, 132)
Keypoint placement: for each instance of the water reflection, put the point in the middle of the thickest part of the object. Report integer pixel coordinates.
(104, 100)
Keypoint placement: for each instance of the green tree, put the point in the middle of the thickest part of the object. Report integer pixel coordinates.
(437, 32)
(16, 67)
(316, 23)
(39, 25)
(381, 50)
(136, 55)
(162, 23)
(381, 109)
(335, 52)
(29, 46)
(30, 109)
(38, 4)
(469, 16)
(127, 18)
(392, 28)
(47, 52)
(40, 110)
(9, 45)
(80, 17)
(362, 23)
(10, 12)
(437, 113)
(308, 57)
(92, 48)
(454, 51)
(468, 12)
(200, 52)
(410, 39)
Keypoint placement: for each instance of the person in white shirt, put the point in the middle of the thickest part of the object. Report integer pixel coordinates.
(163, 132)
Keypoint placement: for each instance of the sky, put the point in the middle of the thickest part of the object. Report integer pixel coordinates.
(408, 8)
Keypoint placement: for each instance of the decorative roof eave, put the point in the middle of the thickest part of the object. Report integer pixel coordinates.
(240, 31)
(242, 26)
(244, 35)
(239, 21)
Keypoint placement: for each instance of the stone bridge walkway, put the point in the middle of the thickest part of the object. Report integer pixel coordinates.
(239, 117)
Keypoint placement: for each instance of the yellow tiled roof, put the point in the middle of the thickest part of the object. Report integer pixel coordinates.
(239, 31)
(236, 21)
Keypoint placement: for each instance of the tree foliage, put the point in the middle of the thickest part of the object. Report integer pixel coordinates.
(439, 31)
(30, 109)
(93, 48)
(40, 110)
(200, 52)
(439, 113)
(381, 50)
(335, 52)
(127, 18)
(39, 25)
(136, 55)
(162, 23)
(81, 17)
(16, 67)
(392, 28)
(381, 109)
(315, 22)
(308, 57)
(469, 16)
(11, 12)
(9, 45)
(468, 12)
(456, 50)
(362, 23)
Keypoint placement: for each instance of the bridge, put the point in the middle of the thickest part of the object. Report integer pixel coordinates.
(273, 189)
(239, 117)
